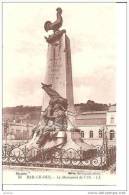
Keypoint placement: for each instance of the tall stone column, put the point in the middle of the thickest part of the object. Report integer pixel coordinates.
(59, 73)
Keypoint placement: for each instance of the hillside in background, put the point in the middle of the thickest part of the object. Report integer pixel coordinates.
(90, 106)
(31, 114)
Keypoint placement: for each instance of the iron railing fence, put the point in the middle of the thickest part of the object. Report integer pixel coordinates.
(100, 158)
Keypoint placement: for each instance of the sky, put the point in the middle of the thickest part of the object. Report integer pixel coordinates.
(91, 28)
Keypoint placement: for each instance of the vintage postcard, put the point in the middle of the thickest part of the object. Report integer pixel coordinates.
(64, 96)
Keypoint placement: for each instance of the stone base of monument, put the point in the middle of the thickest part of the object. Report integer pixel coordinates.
(64, 141)
(75, 142)
(71, 140)
(57, 142)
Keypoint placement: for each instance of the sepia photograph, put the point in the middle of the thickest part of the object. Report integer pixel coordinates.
(60, 105)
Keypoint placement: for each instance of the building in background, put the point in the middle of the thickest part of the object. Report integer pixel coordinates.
(94, 124)
(17, 131)
(111, 124)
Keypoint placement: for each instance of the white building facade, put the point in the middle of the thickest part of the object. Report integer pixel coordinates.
(17, 131)
(94, 125)
(111, 125)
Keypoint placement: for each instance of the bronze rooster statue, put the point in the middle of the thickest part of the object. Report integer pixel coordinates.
(55, 25)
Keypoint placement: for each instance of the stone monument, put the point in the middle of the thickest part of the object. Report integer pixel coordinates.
(57, 127)
(59, 68)
(59, 75)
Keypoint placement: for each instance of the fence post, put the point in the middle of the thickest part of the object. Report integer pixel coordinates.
(81, 156)
(105, 144)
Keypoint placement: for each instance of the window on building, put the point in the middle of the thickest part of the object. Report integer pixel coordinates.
(112, 134)
(112, 119)
(17, 134)
(91, 134)
(100, 133)
(25, 135)
(82, 134)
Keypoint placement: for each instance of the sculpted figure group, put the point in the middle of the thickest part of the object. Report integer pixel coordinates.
(54, 118)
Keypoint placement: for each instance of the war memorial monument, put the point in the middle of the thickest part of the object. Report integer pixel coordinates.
(57, 124)
(56, 140)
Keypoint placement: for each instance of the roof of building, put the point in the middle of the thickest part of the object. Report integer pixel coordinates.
(112, 108)
(91, 118)
(91, 122)
(94, 112)
(92, 115)
(20, 124)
